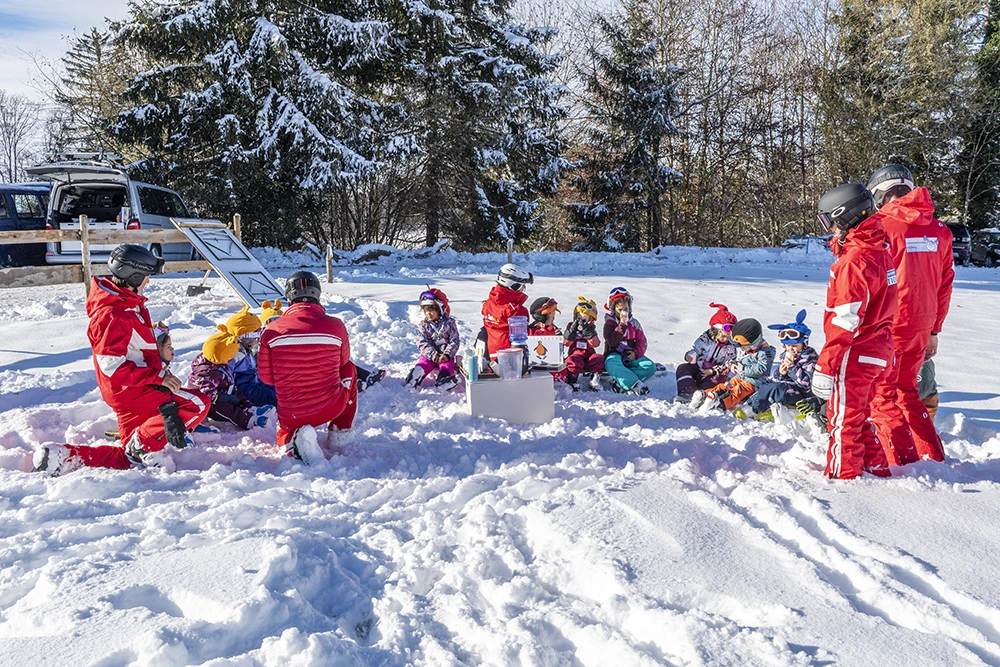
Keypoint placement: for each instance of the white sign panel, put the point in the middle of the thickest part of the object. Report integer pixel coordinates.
(231, 260)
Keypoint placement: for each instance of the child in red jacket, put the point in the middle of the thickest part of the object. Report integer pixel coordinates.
(543, 317)
(506, 300)
(582, 342)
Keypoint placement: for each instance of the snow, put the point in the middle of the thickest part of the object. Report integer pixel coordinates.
(627, 531)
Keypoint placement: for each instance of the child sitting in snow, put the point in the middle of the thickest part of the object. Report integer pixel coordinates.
(791, 382)
(751, 367)
(506, 300)
(438, 341)
(625, 346)
(706, 363)
(212, 374)
(582, 341)
(164, 345)
(246, 328)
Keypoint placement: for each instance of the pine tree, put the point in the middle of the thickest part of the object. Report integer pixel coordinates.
(485, 116)
(978, 177)
(632, 100)
(95, 71)
(259, 106)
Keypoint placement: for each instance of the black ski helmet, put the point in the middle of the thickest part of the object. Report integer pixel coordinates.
(302, 285)
(845, 206)
(132, 263)
(747, 332)
(889, 177)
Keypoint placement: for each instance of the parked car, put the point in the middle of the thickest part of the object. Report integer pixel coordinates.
(961, 243)
(22, 208)
(986, 247)
(97, 185)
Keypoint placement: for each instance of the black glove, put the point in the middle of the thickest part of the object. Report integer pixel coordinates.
(589, 330)
(173, 425)
(809, 405)
(571, 330)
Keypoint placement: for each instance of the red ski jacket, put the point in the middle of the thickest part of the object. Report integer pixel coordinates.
(860, 298)
(502, 304)
(301, 356)
(920, 246)
(121, 335)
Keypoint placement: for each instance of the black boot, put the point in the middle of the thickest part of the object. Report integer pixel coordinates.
(173, 425)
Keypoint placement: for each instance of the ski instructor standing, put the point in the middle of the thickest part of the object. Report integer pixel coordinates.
(921, 251)
(860, 303)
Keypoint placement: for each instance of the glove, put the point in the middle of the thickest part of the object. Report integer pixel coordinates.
(822, 386)
(589, 330)
(173, 425)
(808, 405)
(571, 330)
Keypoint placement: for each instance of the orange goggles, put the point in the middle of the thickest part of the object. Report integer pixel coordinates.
(548, 307)
(741, 340)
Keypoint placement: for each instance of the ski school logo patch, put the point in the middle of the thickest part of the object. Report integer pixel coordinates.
(924, 244)
(890, 275)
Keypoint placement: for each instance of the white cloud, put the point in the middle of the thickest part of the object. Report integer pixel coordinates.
(40, 28)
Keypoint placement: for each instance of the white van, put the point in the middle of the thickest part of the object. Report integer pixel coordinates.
(97, 185)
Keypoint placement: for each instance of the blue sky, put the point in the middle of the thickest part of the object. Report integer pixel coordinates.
(40, 28)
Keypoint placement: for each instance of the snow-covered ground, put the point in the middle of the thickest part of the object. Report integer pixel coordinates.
(626, 532)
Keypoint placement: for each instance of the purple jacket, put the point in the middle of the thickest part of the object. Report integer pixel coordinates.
(619, 339)
(801, 372)
(438, 337)
(214, 380)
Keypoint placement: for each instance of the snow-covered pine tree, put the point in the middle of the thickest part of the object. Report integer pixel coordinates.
(632, 103)
(485, 114)
(260, 106)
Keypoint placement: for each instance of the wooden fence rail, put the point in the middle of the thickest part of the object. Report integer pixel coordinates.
(56, 274)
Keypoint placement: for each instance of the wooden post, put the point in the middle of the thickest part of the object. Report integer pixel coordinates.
(329, 262)
(236, 227)
(510, 251)
(85, 253)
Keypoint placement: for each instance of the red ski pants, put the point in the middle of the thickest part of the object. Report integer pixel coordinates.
(902, 421)
(584, 361)
(146, 421)
(339, 416)
(854, 448)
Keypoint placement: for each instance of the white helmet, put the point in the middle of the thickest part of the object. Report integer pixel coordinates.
(514, 277)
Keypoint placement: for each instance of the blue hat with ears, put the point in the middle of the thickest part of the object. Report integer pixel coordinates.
(793, 332)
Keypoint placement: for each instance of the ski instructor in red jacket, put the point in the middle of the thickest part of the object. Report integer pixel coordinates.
(921, 251)
(305, 355)
(860, 303)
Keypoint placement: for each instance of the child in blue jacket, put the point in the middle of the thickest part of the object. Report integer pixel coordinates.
(791, 381)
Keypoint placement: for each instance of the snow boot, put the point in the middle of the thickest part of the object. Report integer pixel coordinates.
(373, 378)
(140, 458)
(446, 380)
(414, 377)
(262, 415)
(594, 380)
(206, 429)
(639, 389)
(305, 446)
(574, 382)
(697, 398)
(54, 460)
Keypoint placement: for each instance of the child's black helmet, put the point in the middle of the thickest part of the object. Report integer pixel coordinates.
(132, 263)
(302, 285)
(747, 332)
(845, 206)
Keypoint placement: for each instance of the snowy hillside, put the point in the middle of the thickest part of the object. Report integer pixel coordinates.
(628, 531)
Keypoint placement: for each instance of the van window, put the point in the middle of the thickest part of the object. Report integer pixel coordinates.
(100, 204)
(29, 206)
(161, 202)
(4, 214)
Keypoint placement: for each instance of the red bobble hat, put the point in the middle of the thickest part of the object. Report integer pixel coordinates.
(721, 318)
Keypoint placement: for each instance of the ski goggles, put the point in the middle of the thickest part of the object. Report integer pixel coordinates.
(548, 308)
(728, 328)
(428, 298)
(250, 335)
(791, 336)
(160, 329)
(825, 220)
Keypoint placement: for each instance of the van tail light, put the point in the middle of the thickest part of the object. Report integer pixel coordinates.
(133, 224)
(48, 225)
